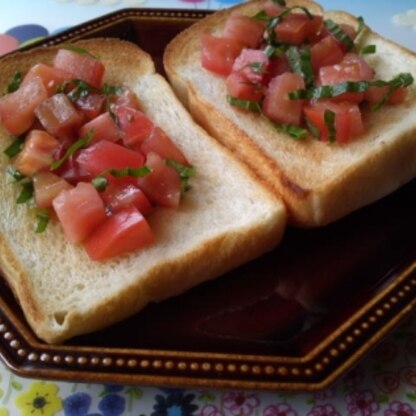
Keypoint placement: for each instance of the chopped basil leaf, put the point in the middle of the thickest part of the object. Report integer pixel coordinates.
(111, 89)
(329, 117)
(43, 220)
(100, 183)
(15, 82)
(274, 51)
(79, 144)
(256, 67)
(26, 194)
(366, 50)
(245, 104)
(17, 176)
(261, 16)
(313, 130)
(81, 90)
(300, 63)
(361, 27)
(280, 2)
(294, 131)
(135, 172)
(15, 147)
(402, 80)
(339, 34)
(185, 173)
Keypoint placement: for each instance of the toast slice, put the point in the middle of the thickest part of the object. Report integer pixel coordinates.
(319, 182)
(225, 220)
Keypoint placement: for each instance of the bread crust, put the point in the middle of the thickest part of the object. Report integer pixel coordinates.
(62, 292)
(319, 183)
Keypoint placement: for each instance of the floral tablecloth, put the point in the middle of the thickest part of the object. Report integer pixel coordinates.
(384, 383)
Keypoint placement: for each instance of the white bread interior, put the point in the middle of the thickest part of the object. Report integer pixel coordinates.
(319, 182)
(225, 220)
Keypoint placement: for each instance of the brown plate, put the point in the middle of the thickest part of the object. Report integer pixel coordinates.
(294, 319)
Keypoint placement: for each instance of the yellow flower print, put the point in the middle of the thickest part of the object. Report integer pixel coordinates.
(39, 400)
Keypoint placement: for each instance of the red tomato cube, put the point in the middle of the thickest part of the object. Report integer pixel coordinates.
(253, 64)
(83, 66)
(47, 186)
(120, 194)
(59, 116)
(326, 52)
(218, 54)
(120, 233)
(37, 153)
(295, 28)
(239, 87)
(376, 94)
(134, 124)
(348, 121)
(51, 77)
(277, 105)
(91, 105)
(160, 143)
(103, 128)
(125, 98)
(105, 155)
(80, 210)
(163, 185)
(244, 29)
(17, 109)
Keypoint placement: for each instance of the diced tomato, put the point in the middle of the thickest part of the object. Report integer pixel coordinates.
(103, 128)
(351, 68)
(59, 116)
(218, 54)
(120, 194)
(348, 122)
(350, 31)
(105, 155)
(326, 52)
(126, 98)
(376, 94)
(80, 210)
(37, 153)
(135, 125)
(83, 66)
(90, 105)
(160, 143)
(17, 108)
(278, 65)
(47, 186)
(272, 8)
(295, 28)
(253, 64)
(163, 185)
(239, 87)
(277, 105)
(73, 172)
(244, 29)
(123, 232)
(51, 77)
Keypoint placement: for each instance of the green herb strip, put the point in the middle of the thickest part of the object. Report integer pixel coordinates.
(280, 2)
(79, 50)
(339, 34)
(329, 117)
(26, 193)
(244, 104)
(15, 82)
(185, 173)
(79, 144)
(15, 147)
(15, 174)
(100, 182)
(43, 220)
(300, 63)
(293, 131)
(368, 49)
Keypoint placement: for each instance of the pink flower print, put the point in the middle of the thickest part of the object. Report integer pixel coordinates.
(361, 403)
(355, 376)
(387, 381)
(210, 410)
(324, 410)
(408, 375)
(281, 409)
(400, 409)
(240, 403)
(326, 394)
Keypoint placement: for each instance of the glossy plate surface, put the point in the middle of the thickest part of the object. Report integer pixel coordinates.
(294, 319)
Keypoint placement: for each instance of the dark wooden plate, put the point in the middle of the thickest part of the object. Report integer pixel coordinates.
(294, 319)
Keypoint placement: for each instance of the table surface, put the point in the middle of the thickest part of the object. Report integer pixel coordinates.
(383, 383)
